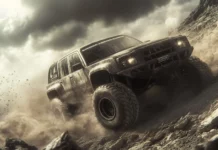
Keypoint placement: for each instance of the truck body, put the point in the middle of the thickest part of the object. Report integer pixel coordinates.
(118, 69)
(122, 58)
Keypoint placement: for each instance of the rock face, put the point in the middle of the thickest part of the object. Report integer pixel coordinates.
(201, 21)
(200, 10)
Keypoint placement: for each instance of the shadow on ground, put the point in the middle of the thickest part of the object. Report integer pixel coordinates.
(181, 105)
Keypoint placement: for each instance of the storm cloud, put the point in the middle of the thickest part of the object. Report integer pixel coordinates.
(77, 15)
(55, 12)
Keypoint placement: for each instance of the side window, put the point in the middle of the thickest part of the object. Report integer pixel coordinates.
(53, 73)
(75, 63)
(64, 67)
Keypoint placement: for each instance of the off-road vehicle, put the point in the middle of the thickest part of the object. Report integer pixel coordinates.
(117, 69)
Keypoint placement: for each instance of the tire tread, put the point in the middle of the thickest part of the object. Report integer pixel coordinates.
(127, 99)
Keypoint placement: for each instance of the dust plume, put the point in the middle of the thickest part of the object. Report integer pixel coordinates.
(32, 120)
(207, 48)
(25, 110)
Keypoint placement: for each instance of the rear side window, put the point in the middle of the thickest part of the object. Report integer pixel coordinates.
(53, 73)
(64, 67)
(75, 63)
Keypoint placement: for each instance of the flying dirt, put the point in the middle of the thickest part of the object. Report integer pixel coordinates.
(188, 121)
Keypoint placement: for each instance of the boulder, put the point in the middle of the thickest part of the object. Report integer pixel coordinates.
(158, 137)
(183, 123)
(200, 147)
(63, 142)
(118, 144)
(140, 146)
(212, 144)
(210, 122)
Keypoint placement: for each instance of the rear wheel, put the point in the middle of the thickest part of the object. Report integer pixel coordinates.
(57, 109)
(62, 111)
(116, 106)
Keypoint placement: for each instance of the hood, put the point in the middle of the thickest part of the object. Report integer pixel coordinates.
(145, 44)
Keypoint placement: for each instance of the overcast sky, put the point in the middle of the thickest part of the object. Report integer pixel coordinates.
(59, 25)
(34, 33)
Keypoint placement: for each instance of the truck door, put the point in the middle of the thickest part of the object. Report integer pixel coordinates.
(78, 78)
(65, 79)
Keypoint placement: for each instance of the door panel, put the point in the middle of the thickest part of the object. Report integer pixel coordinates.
(79, 81)
(78, 77)
(65, 80)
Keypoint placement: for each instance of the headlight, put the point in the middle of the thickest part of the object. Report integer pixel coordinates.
(132, 61)
(129, 61)
(180, 43)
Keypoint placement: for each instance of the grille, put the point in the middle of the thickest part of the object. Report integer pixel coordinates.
(157, 51)
(158, 64)
(168, 61)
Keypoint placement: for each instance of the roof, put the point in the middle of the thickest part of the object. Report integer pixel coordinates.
(90, 45)
(97, 42)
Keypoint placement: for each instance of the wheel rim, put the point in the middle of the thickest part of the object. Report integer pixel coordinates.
(107, 109)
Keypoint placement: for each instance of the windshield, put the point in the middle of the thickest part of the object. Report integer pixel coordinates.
(108, 48)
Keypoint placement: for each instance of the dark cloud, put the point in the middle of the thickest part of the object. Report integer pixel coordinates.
(13, 33)
(51, 14)
(61, 38)
(183, 1)
(55, 12)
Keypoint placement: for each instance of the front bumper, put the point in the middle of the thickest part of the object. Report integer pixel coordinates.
(157, 62)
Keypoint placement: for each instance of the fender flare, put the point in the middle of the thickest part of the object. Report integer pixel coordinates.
(54, 91)
(100, 77)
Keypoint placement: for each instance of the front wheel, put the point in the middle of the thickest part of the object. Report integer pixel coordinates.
(195, 74)
(116, 106)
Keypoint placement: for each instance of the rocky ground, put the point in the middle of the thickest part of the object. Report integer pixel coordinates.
(187, 123)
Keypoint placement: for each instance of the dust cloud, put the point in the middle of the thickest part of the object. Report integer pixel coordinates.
(26, 114)
(33, 121)
(207, 48)
(205, 44)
